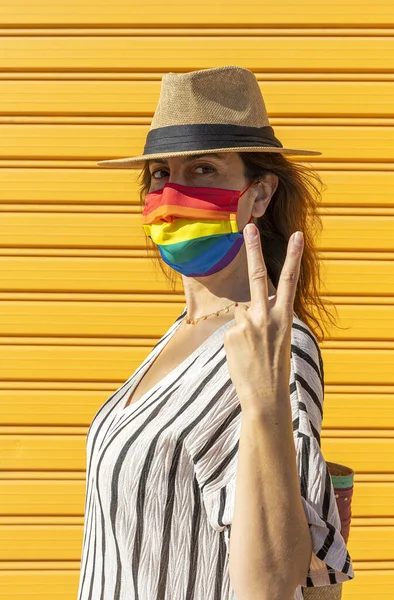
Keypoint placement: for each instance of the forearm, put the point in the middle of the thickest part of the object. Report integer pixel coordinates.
(270, 538)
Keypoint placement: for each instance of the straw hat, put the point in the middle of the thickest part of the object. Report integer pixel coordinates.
(211, 110)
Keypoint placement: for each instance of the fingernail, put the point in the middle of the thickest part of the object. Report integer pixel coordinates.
(298, 238)
(250, 231)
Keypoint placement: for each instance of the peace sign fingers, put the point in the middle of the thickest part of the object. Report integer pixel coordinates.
(258, 276)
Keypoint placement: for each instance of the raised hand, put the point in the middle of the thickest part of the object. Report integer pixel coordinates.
(258, 345)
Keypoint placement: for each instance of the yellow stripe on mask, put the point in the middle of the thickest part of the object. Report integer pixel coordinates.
(181, 230)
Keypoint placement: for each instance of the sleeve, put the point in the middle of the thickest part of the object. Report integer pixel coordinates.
(330, 562)
(219, 506)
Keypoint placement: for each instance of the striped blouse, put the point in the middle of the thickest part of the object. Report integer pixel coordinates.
(161, 479)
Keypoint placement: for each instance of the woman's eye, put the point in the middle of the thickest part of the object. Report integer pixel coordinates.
(158, 171)
(206, 167)
(165, 171)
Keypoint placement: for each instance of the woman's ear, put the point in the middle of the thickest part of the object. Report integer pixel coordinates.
(266, 189)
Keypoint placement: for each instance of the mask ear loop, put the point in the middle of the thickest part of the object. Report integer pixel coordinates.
(245, 190)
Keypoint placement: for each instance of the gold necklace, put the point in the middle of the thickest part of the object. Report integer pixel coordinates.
(191, 321)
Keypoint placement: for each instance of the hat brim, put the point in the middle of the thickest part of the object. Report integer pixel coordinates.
(137, 162)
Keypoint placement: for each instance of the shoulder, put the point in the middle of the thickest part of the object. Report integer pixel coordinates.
(307, 380)
(305, 347)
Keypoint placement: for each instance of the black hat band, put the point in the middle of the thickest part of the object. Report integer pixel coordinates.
(207, 136)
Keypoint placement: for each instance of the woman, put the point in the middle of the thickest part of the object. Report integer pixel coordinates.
(172, 469)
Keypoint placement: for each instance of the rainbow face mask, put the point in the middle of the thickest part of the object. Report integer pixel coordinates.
(195, 228)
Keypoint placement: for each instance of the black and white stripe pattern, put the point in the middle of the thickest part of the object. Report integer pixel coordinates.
(161, 479)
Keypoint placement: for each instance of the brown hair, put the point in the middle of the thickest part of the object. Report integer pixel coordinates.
(293, 207)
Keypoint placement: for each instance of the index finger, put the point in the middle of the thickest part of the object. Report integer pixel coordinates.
(258, 276)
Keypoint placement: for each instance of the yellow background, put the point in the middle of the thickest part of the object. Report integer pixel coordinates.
(82, 305)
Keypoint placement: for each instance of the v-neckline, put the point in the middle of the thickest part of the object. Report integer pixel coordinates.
(173, 371)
